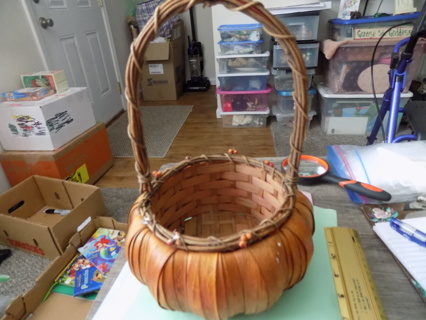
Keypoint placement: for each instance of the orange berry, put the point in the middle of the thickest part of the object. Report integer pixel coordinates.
(266, 162)
(271, 164)
(249, 235)
(235, 151)
(244, 237)
(243, 244)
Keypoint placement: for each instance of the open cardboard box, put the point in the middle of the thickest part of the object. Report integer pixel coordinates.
(25, 225)
(58, 306)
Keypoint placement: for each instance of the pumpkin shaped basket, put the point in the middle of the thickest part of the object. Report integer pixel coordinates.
(224, 234)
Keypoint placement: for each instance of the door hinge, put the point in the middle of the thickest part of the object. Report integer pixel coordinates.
(100, 3)
(119, 87)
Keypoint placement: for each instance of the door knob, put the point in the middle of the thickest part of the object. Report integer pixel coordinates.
(45, 23)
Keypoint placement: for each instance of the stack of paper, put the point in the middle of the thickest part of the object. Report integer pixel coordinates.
(411, 255)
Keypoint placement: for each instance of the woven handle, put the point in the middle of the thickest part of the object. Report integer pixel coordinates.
(270, 24)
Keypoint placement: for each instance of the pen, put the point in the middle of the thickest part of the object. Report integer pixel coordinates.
(408, 232)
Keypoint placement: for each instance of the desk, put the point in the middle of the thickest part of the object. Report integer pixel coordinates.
(399, 298)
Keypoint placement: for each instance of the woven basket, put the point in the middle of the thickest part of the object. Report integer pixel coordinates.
(224, 234)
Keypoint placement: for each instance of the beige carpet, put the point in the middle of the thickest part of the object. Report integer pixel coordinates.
(161, 124)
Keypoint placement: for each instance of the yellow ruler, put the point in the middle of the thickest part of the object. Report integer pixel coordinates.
(356, 291)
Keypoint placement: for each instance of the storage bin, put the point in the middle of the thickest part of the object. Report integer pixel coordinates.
(242, 101)
(245, 119)
(371, 28)
(287, 119)
(241, 32)
(243, 81)
(309, 52)
(243, 63)
(283, 79)
(241, 47)
(285, 102)
(304, 26)
(351, 113)
(348, 70)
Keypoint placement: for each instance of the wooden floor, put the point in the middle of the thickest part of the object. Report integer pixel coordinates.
(202, 133)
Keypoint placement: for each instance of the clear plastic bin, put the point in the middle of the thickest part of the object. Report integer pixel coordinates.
(243, 63)
(348, 71)
(309, 52)
(285, 102)
(371, 28)
(244, 120)
(283, 79)
(351, 113)
(241, 32)
(242, 101)
(304, 26)
(287, 119)
(243, 81)
(241, 47)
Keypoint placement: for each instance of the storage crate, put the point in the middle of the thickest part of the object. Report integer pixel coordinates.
(241, 47)
(241, 32)
(285, 102)
(348, 71)
(283, 79)
(304, 26)
(287, 119)
(243, 81)
(243, 63)
(242, 101)
(371, 28)
(351, 114)
(309, 52)
(245, 119)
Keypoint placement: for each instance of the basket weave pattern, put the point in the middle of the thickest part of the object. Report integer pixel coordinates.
(219, 235)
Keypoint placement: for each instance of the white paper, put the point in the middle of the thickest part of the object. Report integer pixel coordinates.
(404, 6)
(410, 254)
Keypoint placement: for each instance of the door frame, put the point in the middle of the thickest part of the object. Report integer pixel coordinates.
(32, 20)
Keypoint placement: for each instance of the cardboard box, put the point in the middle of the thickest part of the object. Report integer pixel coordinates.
(84, 159)
(163, 76)
(58, 306)
(25, 225)
(28, 94)
(55, 79)
(46, 124)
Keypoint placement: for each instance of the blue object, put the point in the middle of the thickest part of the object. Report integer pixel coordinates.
(237, 27)
(311, 92)
(408, 232)
(371, 19)
(240, 42)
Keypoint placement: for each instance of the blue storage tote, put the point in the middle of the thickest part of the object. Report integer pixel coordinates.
(241, 32)
(240, 47)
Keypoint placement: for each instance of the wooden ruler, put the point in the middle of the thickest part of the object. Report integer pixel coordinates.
(356, 291)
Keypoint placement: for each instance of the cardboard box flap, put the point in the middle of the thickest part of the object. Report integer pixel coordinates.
(158, 52)
(54, 192)
(15, 310)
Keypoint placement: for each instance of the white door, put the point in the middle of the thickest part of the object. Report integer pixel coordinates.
(74, 38)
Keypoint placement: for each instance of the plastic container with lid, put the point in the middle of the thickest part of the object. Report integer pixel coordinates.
(243, 81)
(285, 102)
(245, 119)
(243, 63)
(309, 52)
(241, 32)
(242, 101)
(351, 113)
(287, 119)
(303, 25)
(371, 28)
(240, 47)
(283, 78)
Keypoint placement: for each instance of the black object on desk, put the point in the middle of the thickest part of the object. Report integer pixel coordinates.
(4, 254)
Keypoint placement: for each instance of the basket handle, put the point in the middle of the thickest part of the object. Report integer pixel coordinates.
(270, 24)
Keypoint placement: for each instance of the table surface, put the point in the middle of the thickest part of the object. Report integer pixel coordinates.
(399, 297)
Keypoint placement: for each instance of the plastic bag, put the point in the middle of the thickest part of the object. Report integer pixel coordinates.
(398, 168)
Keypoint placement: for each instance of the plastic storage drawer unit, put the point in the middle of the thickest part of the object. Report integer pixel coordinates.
(244, 119)
(371, 28)
(283, 79)
(285, 102)
(241, 32)
(242, 101)
(243, 63)
(304, 26)
(240, 47)
(243, 81)
(309, 52)
(351, 113)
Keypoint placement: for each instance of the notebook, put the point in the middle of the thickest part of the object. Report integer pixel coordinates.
(411, 255)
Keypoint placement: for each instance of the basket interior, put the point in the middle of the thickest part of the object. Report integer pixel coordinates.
(217, 199)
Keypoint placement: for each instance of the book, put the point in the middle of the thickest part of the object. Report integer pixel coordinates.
(68, 276)
(88, 279)
(102, 248)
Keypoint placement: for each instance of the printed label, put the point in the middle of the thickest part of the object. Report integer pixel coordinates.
(376, 33)
(80, 175)
(156, 68)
